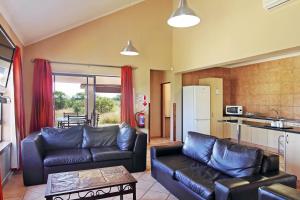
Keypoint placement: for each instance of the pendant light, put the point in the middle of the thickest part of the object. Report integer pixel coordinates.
(129, 50)
(183, 16)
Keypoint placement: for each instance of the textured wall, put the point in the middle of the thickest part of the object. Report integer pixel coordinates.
(266, 86)
(259, 87)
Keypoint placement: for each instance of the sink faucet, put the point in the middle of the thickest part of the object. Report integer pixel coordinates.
(277, 112)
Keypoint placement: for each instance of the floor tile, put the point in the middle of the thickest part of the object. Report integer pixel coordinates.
(151, 195)
(157, 187)
(171, 197)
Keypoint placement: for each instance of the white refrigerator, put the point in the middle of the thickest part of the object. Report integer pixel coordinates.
(196, 110)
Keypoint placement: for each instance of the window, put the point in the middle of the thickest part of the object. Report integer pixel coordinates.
(86, 99)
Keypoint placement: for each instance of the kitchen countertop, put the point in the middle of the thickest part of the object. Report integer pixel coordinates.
(260, 117)
(263, 125)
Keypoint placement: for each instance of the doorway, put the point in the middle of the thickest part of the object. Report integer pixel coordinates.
(165, 109)
(160, 106)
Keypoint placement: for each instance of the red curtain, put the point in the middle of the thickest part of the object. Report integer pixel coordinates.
(19, 99)
(127, 114)
(42, 99)
(1, 193)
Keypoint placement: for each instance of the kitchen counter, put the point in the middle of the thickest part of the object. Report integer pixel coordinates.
(263, 125)
(260, 117)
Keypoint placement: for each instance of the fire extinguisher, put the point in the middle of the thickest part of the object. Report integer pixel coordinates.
(140, 119)
(140, 116)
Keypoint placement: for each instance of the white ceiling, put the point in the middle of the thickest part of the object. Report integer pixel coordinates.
(34, 20)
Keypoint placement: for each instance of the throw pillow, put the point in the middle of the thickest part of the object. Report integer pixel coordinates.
(126, 137)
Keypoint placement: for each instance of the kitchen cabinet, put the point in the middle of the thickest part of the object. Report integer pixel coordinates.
(273, 137)
(233, 131)
(227, 130)
(292, 158)
(259, 136)
(246, 134)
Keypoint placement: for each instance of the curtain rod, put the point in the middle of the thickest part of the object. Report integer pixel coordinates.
(85, 64)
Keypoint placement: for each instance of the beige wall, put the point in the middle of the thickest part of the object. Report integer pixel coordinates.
(100, 41)
(232, 30)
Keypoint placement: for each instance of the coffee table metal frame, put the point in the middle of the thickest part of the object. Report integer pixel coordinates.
(93, 193)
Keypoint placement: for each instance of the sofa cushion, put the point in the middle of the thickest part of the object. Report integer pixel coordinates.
(200, 179)
(169, 164)
(109, 153)
(54, 138)
(236, 160)
(198, 146)
(67, 157)
(126, 137)
(100, 137)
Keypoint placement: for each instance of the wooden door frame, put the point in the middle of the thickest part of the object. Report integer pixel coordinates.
(149, 122)
(174, 121)
(162, 108)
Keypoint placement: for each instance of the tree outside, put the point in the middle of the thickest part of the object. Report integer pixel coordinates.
(107, 107)
(60, 100)
(104, 105)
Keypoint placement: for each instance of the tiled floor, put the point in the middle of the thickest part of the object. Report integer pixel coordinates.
(147, 187)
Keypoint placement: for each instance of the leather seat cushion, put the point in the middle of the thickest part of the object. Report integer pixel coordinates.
(236, 160)
(109, 153)
(200, 179)
(169, 164)
(198, 146)
(67, 157)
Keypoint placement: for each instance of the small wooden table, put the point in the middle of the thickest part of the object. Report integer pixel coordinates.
(91, 184)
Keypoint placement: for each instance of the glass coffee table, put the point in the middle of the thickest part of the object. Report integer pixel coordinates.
(91, 184)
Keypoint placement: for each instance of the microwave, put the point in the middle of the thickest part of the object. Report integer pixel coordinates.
(234, 110)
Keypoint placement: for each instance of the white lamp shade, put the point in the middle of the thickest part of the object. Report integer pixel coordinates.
(129, 50)
(183, 17)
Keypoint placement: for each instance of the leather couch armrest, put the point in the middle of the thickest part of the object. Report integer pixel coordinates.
(270, 163)
(277, 192)
(140, 152)
(32, 159)
(157, 151)
(247, 188)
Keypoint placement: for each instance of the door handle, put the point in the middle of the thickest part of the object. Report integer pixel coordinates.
(287, 139)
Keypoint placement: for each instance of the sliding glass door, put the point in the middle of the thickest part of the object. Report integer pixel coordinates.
(86, 99)
(108, 93)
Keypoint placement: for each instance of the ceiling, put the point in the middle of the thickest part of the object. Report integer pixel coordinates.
(35, 20)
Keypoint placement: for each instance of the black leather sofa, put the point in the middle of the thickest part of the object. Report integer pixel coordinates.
(81, 147)
(278, 192)
(205, 167)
